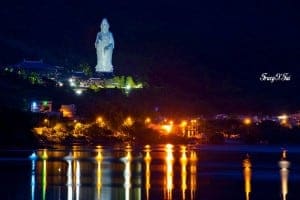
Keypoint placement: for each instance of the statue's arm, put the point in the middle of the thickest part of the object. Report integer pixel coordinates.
(112, 41)
(96, 42)
(111, 44)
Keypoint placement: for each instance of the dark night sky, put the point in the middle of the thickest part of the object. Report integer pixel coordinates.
(176, 42)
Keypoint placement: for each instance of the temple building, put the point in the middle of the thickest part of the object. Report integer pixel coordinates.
(38, 66)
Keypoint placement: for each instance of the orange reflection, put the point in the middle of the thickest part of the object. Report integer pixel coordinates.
(169, 170)
(247, 176)
(183, 162)
(284, 173)
(147, 159)
(99, 159)
(193, 170)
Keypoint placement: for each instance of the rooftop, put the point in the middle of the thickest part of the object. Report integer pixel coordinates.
(34, 65)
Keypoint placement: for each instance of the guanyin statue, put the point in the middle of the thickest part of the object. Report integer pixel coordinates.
(104, 45)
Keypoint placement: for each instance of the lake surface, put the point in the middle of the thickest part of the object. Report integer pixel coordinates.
(207, 172)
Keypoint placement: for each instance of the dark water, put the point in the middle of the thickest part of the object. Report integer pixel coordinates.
(156, 172)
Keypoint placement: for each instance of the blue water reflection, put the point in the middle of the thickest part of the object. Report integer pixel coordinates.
(33, 178)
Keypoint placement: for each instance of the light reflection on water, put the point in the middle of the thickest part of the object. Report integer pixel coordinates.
(74, 171)
(127, 172)
(147, 160)
(33, 179)
(163, 172)
(247, 176)
(284, 174)
(193, 180)
(168, 185)
(183, 162)
(99, 159)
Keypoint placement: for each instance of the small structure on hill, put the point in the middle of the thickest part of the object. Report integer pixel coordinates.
(68, 111)
(41, 106)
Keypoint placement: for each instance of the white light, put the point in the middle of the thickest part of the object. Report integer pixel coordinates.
(128, 87)
(34, 105)
(78, 92)
(283, 117)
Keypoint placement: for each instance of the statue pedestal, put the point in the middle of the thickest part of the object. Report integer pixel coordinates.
(104, 69)
(104, 75)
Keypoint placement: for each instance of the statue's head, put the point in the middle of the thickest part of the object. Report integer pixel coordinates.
(104, 26)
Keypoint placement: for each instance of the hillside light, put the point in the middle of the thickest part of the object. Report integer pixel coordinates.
(100, 121)
(46, 121)
(78, 125)
(78, 91)
(283, 117)
(128, 122)
(147, 120)
(183, 124)
(167, 128)
(247, 121)
(128, 87)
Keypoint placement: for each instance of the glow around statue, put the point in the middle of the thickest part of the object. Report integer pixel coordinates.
(104, 45)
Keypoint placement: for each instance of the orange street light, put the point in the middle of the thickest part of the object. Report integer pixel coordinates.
(100, 121)
(283, 122)
(247, 121)
(128, 122)
(283, 119)
(167, 128)
(46, 121)
(147, 120)
(78, 125)
(183, 124)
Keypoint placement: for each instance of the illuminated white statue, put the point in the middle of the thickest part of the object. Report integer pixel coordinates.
(104, 45)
